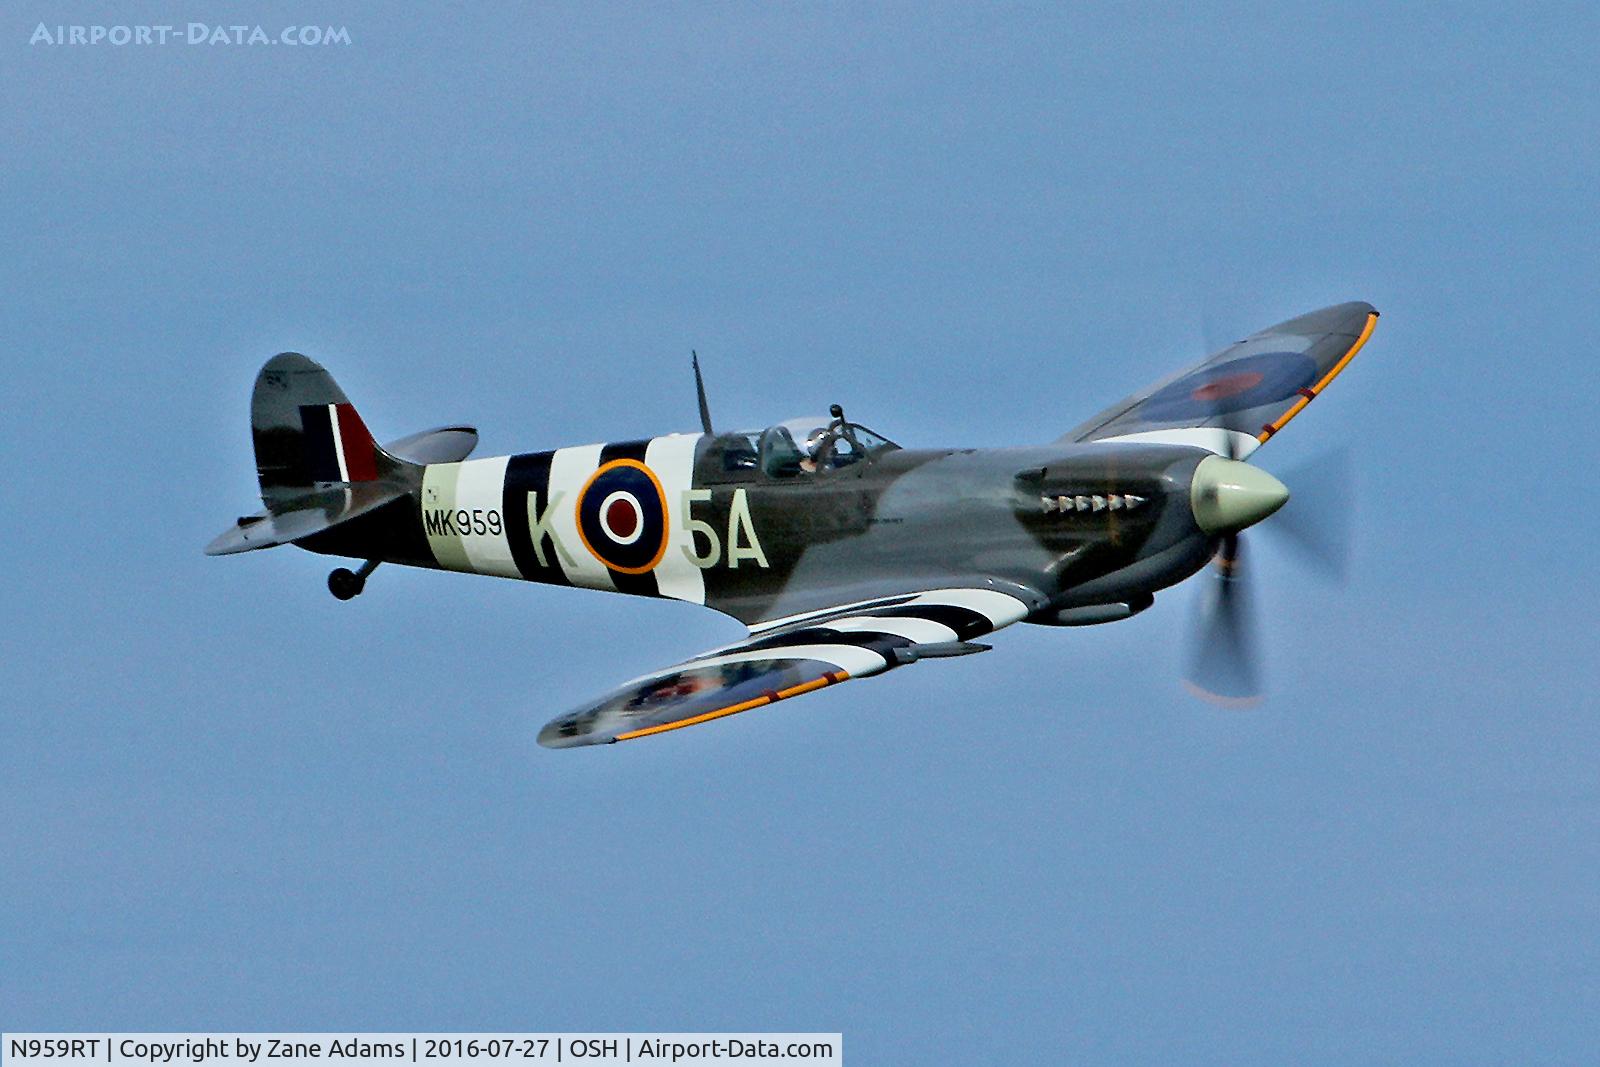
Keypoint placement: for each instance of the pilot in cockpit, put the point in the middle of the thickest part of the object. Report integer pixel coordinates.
(807, 447)
(811, 449)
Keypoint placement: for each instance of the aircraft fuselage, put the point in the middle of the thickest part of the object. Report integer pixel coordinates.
(688, 516)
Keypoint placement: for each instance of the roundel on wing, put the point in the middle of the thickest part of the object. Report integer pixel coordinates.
(1246, 382)
(622, 517)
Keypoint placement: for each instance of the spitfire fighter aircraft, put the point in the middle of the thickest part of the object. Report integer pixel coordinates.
(844, 554)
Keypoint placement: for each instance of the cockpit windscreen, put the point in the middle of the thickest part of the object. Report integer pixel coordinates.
(797, 448)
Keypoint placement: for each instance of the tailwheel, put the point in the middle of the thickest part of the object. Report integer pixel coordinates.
(346, 584)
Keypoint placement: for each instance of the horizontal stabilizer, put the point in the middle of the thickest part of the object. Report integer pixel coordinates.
(312, 513)
(447, 444)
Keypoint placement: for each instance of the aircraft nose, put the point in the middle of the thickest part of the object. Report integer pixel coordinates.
(1227, 495)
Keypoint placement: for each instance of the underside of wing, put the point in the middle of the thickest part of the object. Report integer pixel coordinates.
(1234, 401)
(693, 693)
(790, 659)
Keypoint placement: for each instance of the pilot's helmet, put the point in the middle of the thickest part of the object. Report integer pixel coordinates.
(811, 448)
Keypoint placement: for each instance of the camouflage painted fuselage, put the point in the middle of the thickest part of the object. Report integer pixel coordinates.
(679, 516)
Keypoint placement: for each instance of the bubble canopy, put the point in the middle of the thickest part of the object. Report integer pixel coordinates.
(802, 447)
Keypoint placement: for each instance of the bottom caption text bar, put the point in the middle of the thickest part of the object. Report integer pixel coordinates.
(442, 1050)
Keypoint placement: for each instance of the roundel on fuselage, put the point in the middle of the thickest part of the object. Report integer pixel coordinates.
(622, 516)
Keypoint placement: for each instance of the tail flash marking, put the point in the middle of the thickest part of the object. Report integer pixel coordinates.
(357, 452)
(338, 446)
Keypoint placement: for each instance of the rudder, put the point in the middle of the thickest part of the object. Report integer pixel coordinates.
(306, 431)
(317, 463)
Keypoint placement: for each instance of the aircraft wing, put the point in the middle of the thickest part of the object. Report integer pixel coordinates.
(790, 658)
(1233, 402)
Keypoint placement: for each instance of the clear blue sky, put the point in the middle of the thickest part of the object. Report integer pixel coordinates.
(229, 802)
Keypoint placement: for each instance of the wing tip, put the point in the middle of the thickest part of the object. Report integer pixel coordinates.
(1310, 393)
(563, 732)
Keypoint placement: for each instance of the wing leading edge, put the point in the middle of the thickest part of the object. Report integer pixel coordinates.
(1234, 401)
(788, 659)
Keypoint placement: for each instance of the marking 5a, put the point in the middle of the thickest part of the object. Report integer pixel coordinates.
(742, 542)
(706, 550)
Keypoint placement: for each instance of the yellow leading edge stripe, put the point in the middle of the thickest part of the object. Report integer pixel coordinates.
(1299, 406)
(831, 678)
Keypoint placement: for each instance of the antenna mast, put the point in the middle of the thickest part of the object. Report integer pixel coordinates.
(700, 392)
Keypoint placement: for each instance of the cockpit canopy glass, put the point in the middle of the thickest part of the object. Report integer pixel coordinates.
(802, 447)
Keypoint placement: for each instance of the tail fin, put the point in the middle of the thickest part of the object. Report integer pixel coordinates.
(306, 431)
(318, 464)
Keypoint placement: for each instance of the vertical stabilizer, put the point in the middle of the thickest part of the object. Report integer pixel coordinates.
(307, 433)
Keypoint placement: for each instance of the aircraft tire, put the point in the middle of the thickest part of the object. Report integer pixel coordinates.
(345, 584)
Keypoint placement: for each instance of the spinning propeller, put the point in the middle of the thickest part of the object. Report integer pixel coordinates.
(1229, 495)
